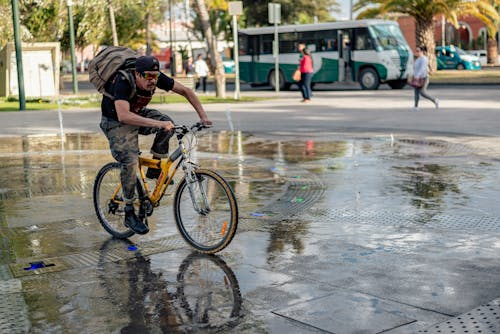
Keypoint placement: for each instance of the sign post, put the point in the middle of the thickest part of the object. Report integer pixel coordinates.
(274, 11)
(236, 8)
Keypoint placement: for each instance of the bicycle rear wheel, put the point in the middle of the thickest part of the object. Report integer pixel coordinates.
(108, 201)
(206, 212)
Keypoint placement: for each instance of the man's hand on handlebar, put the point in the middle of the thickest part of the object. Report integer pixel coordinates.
(166, 125)
(206, 122)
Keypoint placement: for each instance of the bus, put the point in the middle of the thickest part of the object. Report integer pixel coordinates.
(370, 52)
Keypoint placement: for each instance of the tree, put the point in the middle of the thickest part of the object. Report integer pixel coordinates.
(292, 11)
(423, 11)
(487, 12)
(215, 58)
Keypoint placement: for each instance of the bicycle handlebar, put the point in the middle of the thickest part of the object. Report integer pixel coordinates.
(183, 129)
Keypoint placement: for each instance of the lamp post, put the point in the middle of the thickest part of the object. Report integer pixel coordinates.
(72, 45)
(19, 58)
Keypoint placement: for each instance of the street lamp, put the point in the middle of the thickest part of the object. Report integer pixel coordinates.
(72, 46)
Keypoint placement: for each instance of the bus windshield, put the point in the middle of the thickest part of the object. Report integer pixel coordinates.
(387, 36)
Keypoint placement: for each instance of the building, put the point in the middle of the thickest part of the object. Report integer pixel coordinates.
(470, 35)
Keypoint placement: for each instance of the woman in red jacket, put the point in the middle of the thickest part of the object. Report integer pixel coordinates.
(306, 73)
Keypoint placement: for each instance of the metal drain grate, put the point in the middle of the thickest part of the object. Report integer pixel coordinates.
(439, 146)
(388, 218)
(93, 258)
(482, 319)
(303, 190)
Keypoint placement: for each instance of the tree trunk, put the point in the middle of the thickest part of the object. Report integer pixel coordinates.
(215, 58)
(113, 23)
(424, 34)
(492, 53)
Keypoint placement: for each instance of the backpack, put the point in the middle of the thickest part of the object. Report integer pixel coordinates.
(107, 63)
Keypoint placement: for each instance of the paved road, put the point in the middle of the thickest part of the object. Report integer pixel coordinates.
(357, 215)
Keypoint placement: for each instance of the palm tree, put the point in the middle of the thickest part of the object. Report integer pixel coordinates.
(423, 11)
(487, 12)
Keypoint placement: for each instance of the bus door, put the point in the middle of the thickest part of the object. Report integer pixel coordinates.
(345, 59)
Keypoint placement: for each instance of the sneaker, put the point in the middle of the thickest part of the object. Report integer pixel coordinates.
(153, 173)
(436, 102)
(132, 221)
(415, 108)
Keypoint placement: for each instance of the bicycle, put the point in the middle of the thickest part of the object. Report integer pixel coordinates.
(204, 206)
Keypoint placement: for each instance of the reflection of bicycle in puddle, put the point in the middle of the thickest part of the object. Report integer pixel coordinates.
(205, 296)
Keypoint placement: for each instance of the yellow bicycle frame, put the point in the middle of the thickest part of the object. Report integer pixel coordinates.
(164, 180)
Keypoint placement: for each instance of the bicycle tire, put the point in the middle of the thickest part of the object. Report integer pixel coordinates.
(110, 215)
(212, 231)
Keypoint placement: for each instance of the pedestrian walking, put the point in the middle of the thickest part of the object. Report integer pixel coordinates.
(306, 72)
(201, 70)
(420, 79)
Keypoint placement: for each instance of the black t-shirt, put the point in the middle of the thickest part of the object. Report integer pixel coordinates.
(121, 89)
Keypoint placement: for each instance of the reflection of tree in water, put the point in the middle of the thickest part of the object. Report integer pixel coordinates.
(428, 183)
(284, 233)
(205, 296)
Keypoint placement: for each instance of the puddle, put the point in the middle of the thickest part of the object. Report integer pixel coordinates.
(46, 216)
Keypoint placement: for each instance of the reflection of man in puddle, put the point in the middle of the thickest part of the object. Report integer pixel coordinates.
(205, 287)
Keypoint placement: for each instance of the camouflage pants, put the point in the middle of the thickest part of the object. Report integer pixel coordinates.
(124, 144)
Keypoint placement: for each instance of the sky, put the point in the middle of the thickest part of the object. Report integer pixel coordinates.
(344, 6)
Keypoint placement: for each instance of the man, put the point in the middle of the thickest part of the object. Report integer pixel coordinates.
(125, 116)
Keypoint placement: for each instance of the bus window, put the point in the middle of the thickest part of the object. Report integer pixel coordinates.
(327, 40)
(362, 39)
(387, 36)
(266, 44)
(287, 42)
(243, 45)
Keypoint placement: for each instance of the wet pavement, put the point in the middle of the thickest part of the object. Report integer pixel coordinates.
(354, 218)
(344, 234)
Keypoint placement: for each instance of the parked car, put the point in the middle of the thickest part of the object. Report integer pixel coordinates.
(452, 57)
(228, 65)
(481, 54)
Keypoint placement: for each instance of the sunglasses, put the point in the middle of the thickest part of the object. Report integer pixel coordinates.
(150, 76)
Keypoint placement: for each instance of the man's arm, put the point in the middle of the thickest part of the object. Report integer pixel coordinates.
(193, 100)
(128, 117)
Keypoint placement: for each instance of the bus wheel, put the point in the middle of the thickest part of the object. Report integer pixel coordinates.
(460, 67)
(397, 84)
(272, 80)
(368, 79)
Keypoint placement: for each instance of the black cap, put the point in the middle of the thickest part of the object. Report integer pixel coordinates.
(147, 63)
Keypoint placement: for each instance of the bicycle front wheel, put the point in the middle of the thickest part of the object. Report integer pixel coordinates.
(206, 212)
(108, 201)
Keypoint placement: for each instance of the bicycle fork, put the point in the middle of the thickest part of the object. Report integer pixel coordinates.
(197, 189)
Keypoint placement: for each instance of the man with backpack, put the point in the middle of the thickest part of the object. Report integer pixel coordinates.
(125, 116)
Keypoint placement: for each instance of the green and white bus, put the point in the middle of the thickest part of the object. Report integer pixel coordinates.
(368, 51)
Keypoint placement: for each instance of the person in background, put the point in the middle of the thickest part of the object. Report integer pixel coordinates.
(421, 71)
(189, 67)
(201, 70)
(306, 73)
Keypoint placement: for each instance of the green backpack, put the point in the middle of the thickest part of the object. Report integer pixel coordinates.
(107, 63)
